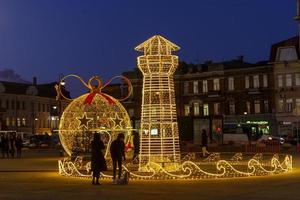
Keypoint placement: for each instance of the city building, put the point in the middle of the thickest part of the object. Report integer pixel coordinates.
(30, 107)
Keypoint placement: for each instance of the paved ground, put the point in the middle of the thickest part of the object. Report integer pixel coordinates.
(49, 185)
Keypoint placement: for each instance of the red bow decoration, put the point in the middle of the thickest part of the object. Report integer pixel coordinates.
(95, 90)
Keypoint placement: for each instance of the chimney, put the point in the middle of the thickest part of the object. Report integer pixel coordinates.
(34, 81)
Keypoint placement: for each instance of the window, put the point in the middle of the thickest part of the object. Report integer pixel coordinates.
(247, 83)
(280, 105)
(186, 110)
(23, 122)
(18, 122)
(13, 121)
(186, 87)
(265, 80)
(7, 121)
(230, 83)
(12, 104)
(257, 106)
(195, 87)
(131, 112)
(248, 106)
(286, 54)
(288, 80)
(18, 105)
(297, 79)
(204, 86)
(289, 105)
(216, 84)
(280, 81)
(7, 104)
(205, 109)
(256, 81)
(298, 103)
(231, 107)
(266, 106)
(217, 108)
(43, 107)
(196, 109)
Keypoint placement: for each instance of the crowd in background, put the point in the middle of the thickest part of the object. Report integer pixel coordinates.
(11, 145)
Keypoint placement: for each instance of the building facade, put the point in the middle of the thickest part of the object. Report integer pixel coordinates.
(30, 108)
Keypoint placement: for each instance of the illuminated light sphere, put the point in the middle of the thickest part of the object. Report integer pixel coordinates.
(79, 121)
(159, 137)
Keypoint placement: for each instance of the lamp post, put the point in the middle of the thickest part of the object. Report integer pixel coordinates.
(58, 97)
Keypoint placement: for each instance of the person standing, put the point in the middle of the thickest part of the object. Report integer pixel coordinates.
(136, 144)
(12, 145)
(98, 162)
(3, 145)
(19, 146)
(204, 143)
(117, 152)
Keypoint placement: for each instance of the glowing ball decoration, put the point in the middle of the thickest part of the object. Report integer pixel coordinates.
(90, 113)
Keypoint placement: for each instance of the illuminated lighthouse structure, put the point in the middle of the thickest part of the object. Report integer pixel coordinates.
(159, 136)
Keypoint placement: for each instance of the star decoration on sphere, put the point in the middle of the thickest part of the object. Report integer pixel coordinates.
(117, 121)
(84, 121)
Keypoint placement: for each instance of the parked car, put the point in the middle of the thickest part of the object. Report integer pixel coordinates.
(263, 138)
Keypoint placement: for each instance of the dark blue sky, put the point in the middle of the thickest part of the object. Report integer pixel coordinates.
(46, 37)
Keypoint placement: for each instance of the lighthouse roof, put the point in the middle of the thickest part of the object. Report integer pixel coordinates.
(157, 45)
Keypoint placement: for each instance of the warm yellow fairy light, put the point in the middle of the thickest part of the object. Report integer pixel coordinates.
(159, 128)
(80, 120)
(192, 170)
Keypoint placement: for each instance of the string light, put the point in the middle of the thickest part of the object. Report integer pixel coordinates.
(159, 137)
(191, 169)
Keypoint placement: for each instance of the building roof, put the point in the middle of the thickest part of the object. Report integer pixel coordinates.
(43, 90)
(293, 41)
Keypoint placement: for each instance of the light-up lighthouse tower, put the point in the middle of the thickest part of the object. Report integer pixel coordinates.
(159, 128)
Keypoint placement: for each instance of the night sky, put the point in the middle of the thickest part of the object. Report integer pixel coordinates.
(46, 37)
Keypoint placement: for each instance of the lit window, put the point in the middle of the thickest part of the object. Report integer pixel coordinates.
(280, 81)
(216, 84)
(289, 105)
(231, 108)
(13, 121)
(23, 122)
(256, 81)
(230, 83)
(196, 109)
(257, 106)
(288, 80)
(204, 86)
(205, 110)
(186, 110)
(266, 106)
(286, 54)
(18, 122)
(195, 87)
(186, 87)
(7, 121)
(217, 108)
(247, 84)
(265, 80)
(280, 105)
(297, 79)
(248, 105)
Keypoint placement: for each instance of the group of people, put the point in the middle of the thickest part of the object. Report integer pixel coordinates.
(117, 153)
(11, 145)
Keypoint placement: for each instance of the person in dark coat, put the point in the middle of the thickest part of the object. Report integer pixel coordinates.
(136, 144)
(98, 162)
(19, 146)
(3, 145)
(117, 152)
(204, 143)
(12, 145)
